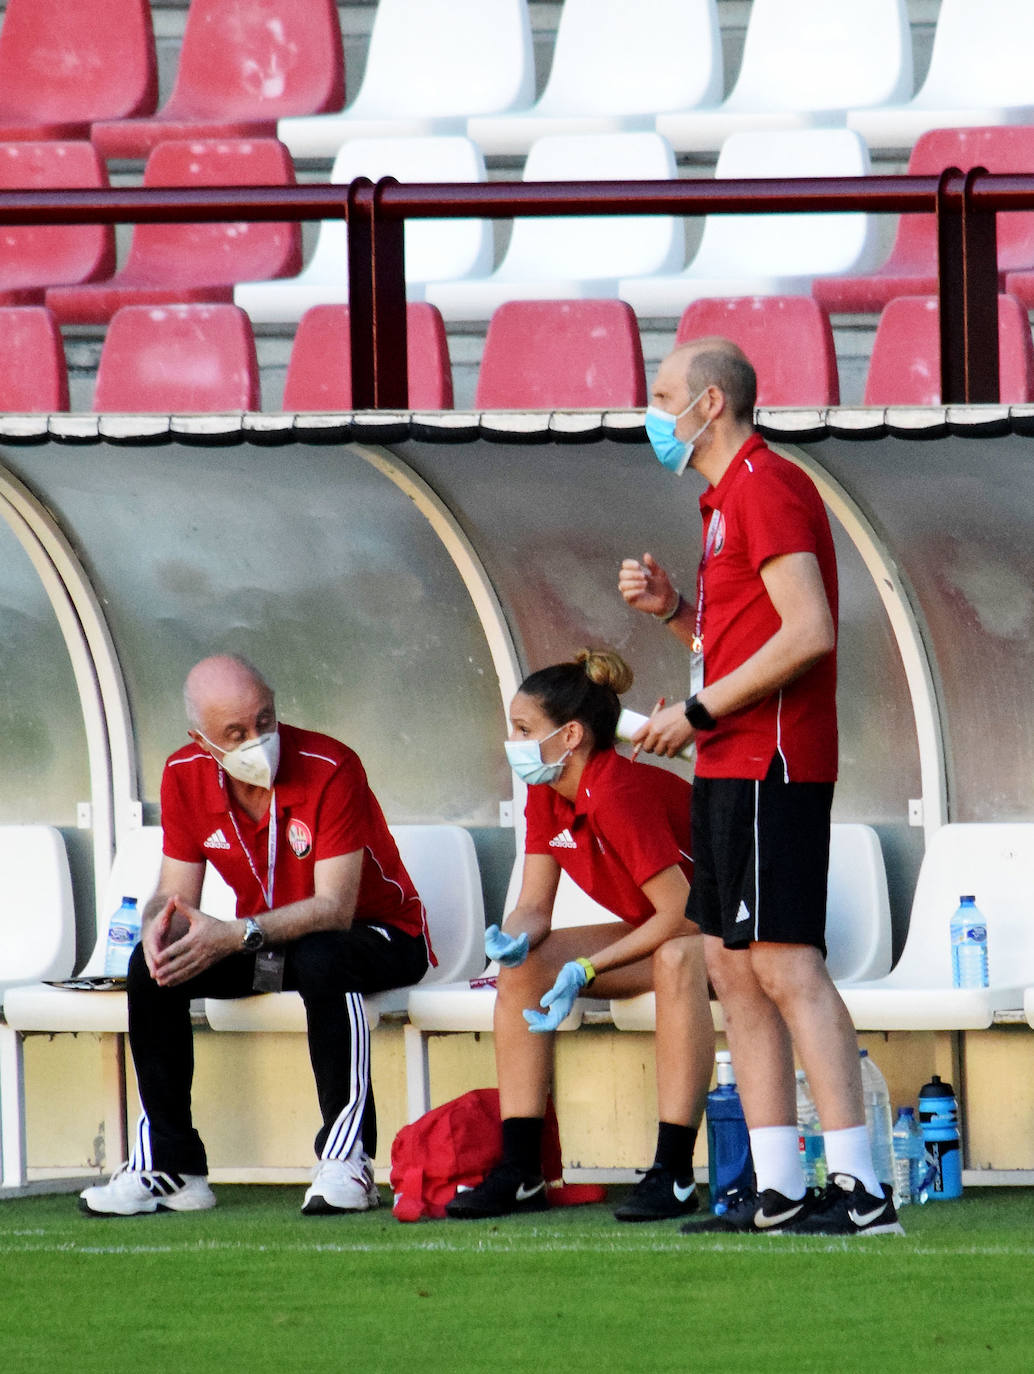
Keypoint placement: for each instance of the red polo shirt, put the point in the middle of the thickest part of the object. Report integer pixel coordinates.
(763, 507)
(324, 808)
(629, 822)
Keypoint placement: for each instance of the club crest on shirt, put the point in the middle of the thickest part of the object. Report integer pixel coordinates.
(299, 837)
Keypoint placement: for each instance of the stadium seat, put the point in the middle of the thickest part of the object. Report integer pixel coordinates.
(64, 65)
(858, 923)
(469, 1005)
(40, 1007)
(436, 249)
(555, 258)
(911, 267)
(614, 68)
(36, 256)
(428, 67)
(905, 364)
(33, 373)
(443, 864)
(37, 940)
(242, 66)
(995, 861)
(787, 338)
(768, 254)
(804, 65)
(178, 359)
(319, 373)
(181, 263)
(562, 355)
(979, 73)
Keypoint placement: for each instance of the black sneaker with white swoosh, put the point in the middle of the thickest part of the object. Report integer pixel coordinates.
(844, 1208)
(659, 1196)
(501, 1193)
(758, 1214)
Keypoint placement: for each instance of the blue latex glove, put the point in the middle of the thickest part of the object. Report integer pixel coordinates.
(559, 999)
(506, 949)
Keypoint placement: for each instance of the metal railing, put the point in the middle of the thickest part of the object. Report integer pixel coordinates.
(965, 204)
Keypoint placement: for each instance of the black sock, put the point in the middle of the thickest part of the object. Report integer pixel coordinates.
(522, 1144)
(675, 1146)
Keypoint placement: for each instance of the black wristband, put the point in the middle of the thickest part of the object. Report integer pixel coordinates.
(698, 715)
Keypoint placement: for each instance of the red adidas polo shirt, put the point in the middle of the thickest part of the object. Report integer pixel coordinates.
(324, 808)
(629, 822)
(763, 507)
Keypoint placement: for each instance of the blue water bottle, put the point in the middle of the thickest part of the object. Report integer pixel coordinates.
(939, 1119)
(123, 934)
(730, 1167)
(968, 945)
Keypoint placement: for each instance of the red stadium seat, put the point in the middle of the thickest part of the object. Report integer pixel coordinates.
(787, 338)
(178, 359)
(911, 268)
(243, 65)
(319, 373)
(905, 367)
(570, 355)
(66, 63)
(33, 374)
(37, 256)
(194, 262)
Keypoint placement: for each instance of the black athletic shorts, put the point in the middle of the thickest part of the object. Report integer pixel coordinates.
(760, 859)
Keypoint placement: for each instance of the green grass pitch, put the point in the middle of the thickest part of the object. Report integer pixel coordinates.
(254, 1286)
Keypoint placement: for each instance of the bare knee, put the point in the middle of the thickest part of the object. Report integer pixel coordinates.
(678, 961)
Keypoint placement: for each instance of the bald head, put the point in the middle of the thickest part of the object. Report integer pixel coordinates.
(226, 693)
(716, 361)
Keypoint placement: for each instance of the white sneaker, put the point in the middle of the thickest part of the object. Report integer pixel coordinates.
(342, 1185)
(132, 1191)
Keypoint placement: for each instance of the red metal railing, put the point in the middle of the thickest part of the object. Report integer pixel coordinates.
(965, 204)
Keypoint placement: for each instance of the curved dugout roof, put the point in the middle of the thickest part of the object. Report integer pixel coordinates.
(395, 576)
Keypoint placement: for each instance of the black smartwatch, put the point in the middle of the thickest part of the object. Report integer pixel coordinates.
(254, 935)
(698, 715)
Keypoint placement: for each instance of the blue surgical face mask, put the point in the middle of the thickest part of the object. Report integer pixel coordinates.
(525, 758)
(673, 453)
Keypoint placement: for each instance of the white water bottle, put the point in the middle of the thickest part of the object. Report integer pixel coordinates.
(909, 1158)
(123, 934)
(968, 945)
(878, 1119)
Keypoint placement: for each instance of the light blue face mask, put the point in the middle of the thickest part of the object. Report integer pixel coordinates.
(525, 758)
(673, 453)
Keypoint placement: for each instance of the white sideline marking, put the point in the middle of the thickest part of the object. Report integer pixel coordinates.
(774, 1245)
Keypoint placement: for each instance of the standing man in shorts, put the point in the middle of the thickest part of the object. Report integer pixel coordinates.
(761, 626)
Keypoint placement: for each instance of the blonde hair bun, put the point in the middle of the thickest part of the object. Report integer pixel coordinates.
(606, 669)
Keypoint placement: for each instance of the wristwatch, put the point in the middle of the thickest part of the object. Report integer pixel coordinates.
(698, 715)
(254, 935)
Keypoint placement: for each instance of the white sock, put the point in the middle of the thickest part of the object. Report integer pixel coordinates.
(849, 1152)
(777, 1160)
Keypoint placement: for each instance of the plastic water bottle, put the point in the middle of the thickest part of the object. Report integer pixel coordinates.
(809, 1135)
(939, 1120)
(968, 945)
(909, 1158)
(729, 1163)
(123, 934)
(878, 1118)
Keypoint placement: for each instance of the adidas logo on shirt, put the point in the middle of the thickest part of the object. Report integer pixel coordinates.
(217, 840)
(565, 840)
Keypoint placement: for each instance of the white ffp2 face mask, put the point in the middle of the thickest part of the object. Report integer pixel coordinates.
(254, 762)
